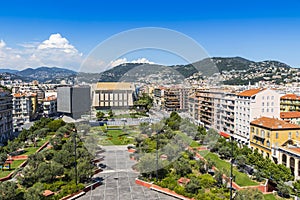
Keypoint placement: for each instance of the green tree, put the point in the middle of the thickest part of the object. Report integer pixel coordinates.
(249, 194)
(47, 172)
(100, 115)
(55, 124)
(182, 167)
(8, 190)
(193, 186)
(110, 113)
(3, 157)
(283, 189)
(35, 192)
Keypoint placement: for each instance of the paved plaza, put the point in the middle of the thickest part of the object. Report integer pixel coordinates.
(119, 179)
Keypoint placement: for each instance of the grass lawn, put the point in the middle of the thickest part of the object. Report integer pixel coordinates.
(13, 166)
(117, 137)
(269, 197)
(241, 179)
(30, 150)
(194, 144)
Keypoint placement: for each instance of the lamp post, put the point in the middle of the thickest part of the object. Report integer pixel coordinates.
(75, 155)
(231, 167)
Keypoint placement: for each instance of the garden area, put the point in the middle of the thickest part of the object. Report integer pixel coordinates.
(114, 135)
(240, 178)
(53, 167)
(180, 170)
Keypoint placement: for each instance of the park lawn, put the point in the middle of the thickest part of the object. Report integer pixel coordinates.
(117, 137)
(241, 179)
(30, 150)
(269, 197)
(15, 164)
(194, 144)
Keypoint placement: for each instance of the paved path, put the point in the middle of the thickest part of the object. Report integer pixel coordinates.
(119, 179)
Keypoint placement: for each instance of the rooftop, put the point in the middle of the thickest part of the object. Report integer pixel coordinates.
(50, 98)
(289, 115)
(272, 123)
(251, 92)
(114, 86)
(290, 97)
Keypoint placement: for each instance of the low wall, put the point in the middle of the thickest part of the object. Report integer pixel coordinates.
(160, 189)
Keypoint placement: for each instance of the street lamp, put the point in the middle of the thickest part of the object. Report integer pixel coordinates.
(231, 167)
(75, 155)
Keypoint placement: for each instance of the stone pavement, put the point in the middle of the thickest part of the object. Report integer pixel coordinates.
(119, 179)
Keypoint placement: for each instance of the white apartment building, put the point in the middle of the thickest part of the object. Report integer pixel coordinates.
(24, 109)
(252, 104)
(50, 105)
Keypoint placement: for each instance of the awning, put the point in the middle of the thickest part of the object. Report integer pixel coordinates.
(225, 135)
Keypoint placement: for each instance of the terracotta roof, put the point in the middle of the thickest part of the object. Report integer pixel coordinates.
(50, 98)
(47, 193)
(183, 180)
(24, 94)
(251, 92)
(272, 123)
(290, 97)
(288, 115)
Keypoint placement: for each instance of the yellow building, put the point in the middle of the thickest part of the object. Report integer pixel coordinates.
(268, 134)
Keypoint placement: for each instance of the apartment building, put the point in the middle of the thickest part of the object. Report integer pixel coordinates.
(176, 99)
(277, 140)
(6, 121)
(50, 106)
(289, 102)
(291, 117)
(250, 105)
(24, 109)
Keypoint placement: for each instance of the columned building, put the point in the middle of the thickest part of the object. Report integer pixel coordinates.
(107, 95)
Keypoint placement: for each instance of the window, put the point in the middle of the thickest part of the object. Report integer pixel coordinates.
(267, 97)
(262, 110)
(263, 97)
(267, 103)
(272, 103)
(257, 131)
(267, 109)
(290, 135)
(297, 134)
(268, 134)
(262, 133)
(272, 98)
(272, 110)
(268, 143)
(263, 103)
(276, 135)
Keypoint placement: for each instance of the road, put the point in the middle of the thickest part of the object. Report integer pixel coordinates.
(119, 179)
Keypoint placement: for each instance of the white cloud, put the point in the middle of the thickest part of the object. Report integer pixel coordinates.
(2, 44)
(55, 51)
(56, 41)
(124, 60)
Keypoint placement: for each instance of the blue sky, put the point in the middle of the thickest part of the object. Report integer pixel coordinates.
(257, 30)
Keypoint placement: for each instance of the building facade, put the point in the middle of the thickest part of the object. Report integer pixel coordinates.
(50, 106)
(107, 95)
(253, 104)
(74, 101)
(269, 134)
(6, 120)
(289, 102)
(24, 109)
